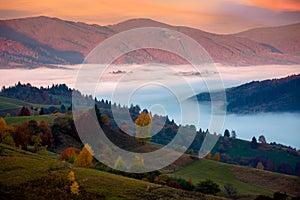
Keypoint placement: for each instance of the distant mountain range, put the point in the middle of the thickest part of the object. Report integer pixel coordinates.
(40, 41)
(276, 95)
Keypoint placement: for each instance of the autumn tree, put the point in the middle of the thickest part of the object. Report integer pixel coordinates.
(22, 135)
(216, 156)
(208, 155)
(262, 139)
(120, 164)
(72, 176)
(69, 154)
(8, 139)
(37, 142)
(143, 126)
(85, 157)
(138, 165)
(74, 187)
(24, 112)
(3, 127)
(260, 166)
(105, 120)
(45, 134)
(161, 179)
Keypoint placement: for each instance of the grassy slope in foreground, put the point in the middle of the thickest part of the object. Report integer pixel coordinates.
(25, 175)
(248, 181)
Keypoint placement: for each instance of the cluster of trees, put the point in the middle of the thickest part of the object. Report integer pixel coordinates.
(28, 134)
(256, 154)
(84, 158)
(216, 156)
(28, 93)
(24, 112)
(262, 96)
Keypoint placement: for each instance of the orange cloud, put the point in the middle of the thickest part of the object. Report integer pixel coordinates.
(205, 15)
(280, 5)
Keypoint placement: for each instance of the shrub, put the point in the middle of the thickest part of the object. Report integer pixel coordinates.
(230, 190)
(208, 187)
(69, 155)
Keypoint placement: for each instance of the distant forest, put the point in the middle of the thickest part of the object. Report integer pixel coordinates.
(276, 95)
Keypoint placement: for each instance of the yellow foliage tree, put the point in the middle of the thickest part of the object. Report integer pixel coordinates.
(74, 188)
(143, 127)
(3, 127)
(71, 176)
(161, 179)
(85, 157)
(208, 155)
(216, 156)
(120, 164)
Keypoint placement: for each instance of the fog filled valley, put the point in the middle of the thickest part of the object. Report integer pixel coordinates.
(120, 79)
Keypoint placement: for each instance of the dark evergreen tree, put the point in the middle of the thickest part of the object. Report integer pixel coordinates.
(42, 111)
(254, 144)
(226, 133)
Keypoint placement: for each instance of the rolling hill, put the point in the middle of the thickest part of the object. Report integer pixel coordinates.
(248, 181)
(40, 41)
(276, 95)
(48, 179)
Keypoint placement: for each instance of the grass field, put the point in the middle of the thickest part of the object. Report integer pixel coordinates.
(10, 103)
(25, 175)
(248, 181)
(19, 120)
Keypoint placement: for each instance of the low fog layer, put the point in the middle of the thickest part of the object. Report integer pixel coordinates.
(164, 89)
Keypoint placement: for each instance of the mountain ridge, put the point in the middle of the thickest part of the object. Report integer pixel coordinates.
(43, 40)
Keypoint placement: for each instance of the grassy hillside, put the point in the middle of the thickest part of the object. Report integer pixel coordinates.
(21, 119)
(10, 103)
(248, 181)
(25, 175)
(243, 148)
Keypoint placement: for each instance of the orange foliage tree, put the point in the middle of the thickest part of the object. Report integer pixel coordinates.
(3, 127)
(85, 157)
(208, 155)
(216, 156)
(69, 154)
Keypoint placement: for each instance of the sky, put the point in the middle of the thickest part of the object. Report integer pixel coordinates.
(218, 16)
